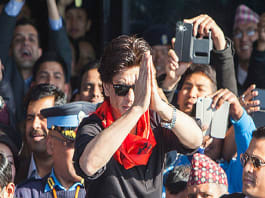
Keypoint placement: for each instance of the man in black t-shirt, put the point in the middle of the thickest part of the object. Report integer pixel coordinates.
(120, 149)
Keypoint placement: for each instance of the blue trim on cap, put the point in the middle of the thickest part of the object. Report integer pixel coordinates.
(63, 121)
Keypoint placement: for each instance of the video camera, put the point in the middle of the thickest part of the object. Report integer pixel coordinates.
(189, 48)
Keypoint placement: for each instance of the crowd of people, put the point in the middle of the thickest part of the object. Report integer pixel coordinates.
(124, 123)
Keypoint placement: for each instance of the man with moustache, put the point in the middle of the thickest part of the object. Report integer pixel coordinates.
(20, 47)
(90, 85)
(120, 149)
(253, 162)
(62, 181)
(35, 162)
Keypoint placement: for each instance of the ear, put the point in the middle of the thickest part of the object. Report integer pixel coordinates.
(49, 145)
(10, 189)
(40, 52)
(106, 87)
(88, 25)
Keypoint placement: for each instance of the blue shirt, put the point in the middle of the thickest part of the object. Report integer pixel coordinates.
(57, 185)
(14, 7)
(243, 135)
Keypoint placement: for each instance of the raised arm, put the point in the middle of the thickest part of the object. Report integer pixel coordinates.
(58, 39)
(222, 54)
(102, 147)
(7, 25)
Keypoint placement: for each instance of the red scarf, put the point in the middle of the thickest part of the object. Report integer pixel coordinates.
(136, 149)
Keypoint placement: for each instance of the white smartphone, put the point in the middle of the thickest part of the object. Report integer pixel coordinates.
(216, 120)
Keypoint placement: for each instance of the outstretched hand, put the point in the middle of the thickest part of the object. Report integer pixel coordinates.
(202, 24)
(246, 99)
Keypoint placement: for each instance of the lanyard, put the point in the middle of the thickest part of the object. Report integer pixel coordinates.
(76, 192)
(51, 184)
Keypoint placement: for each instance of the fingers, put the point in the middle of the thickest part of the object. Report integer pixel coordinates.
(201, 24)
(173, 60)
(142, 91)
(223, 95)
(252, 106)
(249, 94)
(246, 100)
(207, 140)
(205, 26)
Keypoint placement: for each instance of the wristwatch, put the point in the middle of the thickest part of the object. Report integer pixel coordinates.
(170, 125)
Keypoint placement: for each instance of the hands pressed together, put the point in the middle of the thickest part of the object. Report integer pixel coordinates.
(146, 88)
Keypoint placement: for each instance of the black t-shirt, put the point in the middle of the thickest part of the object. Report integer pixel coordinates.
(115, 181)
(234, 195)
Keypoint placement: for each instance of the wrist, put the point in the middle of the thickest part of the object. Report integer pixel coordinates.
(169, 124)
(137, 110)
(170, 83)
(237, 113)
(220, 43)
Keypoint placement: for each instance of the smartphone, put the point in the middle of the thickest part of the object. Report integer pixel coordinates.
(216, 120)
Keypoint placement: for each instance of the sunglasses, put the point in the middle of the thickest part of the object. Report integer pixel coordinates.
(257, 163)
(122, 90)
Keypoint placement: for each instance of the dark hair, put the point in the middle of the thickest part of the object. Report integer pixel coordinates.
(5, 171)
(177, 179)
(85, 6)
(259, 133)
(207, 70)
(122, 52)
(4, 139)
(49, 56)
(26, 21)
(87, 67)
(44, 90)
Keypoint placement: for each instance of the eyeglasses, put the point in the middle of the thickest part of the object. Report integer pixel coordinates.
(66, 143)
(239, 34)
(122, 90)
(257, 163)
